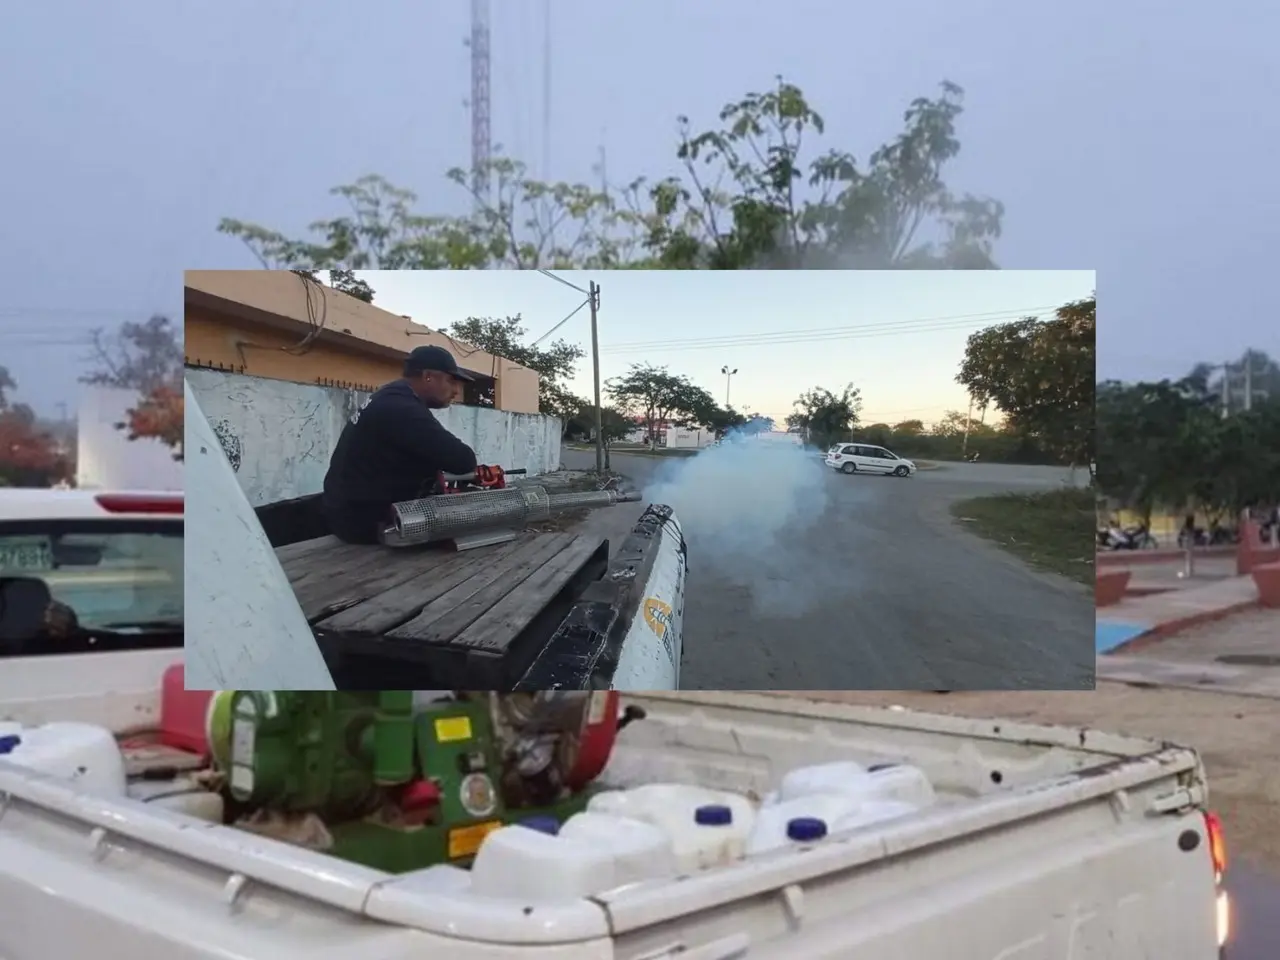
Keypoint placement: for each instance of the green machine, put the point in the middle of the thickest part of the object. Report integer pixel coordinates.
(397, 786)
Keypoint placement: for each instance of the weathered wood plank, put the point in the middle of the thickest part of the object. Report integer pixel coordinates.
(406, 600)
(296, 551)
(456, 610)
(364, 577)
(493, 631)
(333, 558)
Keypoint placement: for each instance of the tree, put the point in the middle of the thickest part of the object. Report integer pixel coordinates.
(504, 337)
(347, 282)
(656, 396)
(147, 358)
(757, 424)
(1168, 445)
(752, 194)
(614, 424)
(28, 457)
(1041, 375)
(825, 417)
(137, 356)
(7, 385)
(722, 420)
(909, 428)
(159, 415)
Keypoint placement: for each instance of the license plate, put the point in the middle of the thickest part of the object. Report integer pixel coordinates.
(26, 555)
(465, 841)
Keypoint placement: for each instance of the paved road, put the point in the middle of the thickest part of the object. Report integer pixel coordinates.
(865, 583)
(1256, 908)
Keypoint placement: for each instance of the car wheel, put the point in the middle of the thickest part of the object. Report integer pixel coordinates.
(849, 468)
(901, 472)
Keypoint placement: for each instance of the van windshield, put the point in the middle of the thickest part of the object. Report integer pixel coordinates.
(111, 584)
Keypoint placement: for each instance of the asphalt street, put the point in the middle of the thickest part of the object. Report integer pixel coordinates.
(881, 590)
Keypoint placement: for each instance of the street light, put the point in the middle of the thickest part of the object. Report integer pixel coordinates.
(728, 379)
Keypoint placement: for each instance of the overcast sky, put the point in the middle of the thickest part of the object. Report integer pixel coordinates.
(1137, 138)
(898, 336)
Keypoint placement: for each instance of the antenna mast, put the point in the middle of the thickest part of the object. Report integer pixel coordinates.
(546, 90)
(481, 141)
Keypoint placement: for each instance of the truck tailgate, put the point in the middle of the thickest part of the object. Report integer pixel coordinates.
(1052, 842)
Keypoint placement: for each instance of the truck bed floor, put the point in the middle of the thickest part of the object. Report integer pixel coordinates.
(472, 620)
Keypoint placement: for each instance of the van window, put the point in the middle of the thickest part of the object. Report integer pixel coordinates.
(107, 585)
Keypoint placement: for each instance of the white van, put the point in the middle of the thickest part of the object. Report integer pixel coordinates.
(867, 458)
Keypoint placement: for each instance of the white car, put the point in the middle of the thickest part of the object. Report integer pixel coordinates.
(866, 458)
(106, 566)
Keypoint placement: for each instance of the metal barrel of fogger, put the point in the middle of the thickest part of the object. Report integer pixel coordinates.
(445, 517)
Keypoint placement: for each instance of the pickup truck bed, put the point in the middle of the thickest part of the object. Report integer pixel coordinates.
(475, 619)
(1047, 843)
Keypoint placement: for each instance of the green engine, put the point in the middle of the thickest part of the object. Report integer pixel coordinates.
(397, 786)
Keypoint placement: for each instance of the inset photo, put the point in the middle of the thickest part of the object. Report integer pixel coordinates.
(640, 480)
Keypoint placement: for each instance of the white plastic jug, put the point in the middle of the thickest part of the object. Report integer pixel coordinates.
(843, 776)
(515, 862)
(640, 851)
(873, 812)
(902, 782)
(885, 781)
(84, 753)
(817, 813)
(707, 828)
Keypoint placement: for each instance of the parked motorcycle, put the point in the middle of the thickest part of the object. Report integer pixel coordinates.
(1129, 538)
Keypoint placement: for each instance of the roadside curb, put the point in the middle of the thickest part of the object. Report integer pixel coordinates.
(1168, 628)
(1201, 677)
(638, 453)
(1126, 558)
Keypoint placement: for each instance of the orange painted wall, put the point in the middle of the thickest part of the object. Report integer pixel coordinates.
(214, 339)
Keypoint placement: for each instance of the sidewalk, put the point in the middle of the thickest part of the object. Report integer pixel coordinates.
(1188, 675)
(1136, 621)
(1237, 654)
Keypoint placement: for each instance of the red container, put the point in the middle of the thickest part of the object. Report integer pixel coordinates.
(183, 713)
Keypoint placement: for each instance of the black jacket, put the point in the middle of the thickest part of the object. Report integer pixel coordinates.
(389, 451)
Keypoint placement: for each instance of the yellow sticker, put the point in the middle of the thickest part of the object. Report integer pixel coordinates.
(453, 729)
(465, 841)
(658, 616)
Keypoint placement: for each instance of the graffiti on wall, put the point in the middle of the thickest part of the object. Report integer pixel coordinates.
(231, 445)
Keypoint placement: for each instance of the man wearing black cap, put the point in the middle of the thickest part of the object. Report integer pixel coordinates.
(393, 447)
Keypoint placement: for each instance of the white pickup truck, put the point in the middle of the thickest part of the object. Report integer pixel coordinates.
(1044, 842)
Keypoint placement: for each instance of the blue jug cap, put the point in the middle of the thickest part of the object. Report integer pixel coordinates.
(804, 829)
(713, 815)
(542, 824)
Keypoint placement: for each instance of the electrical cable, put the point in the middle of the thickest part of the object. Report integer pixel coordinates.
(569, 317)
(574, 286)
(822, 334)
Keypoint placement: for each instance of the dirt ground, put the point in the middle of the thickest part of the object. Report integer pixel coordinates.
(1238, 737)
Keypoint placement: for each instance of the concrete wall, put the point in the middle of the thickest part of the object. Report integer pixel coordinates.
(106, 459)
(278, 435)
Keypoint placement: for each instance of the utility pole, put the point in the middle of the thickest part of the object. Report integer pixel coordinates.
(593, 295)
(964, 444)
(1248, 381)
(1226, 390)
(728, 380)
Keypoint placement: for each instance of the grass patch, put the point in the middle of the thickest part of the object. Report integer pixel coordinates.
(1054, 530)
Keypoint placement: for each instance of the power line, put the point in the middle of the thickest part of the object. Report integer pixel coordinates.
(573, 286)
(813, 334)
(570, 316)
(783, 340)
